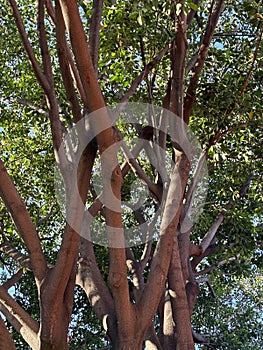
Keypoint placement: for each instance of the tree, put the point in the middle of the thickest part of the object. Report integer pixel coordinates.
(199, 60)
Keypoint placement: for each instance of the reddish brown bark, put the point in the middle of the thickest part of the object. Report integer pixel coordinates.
(6, 341)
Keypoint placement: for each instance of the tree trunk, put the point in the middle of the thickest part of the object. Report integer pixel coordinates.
(54, 330)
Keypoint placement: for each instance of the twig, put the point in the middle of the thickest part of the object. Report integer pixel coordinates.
(125, 98)
(32, 106)
(215, 266)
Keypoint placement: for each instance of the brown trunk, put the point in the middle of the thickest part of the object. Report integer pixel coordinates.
(54, 327)
(134, 344)
(179, 302)
(57, 346)
(55, 312)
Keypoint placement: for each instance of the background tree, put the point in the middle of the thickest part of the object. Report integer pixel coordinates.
(202, 61)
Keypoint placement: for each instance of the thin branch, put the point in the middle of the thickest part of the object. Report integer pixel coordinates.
(41, 220)
(35, 64)
(201, 56)
(200, 339)
(234, 34)
(192, 13)
(94, 36)
(46, 81)
(209, 236)
(154, 188)
(147, 69)
(211, 288)
(220, 134)
(215, 266)
(147, 251)
(13, 280)
(32, 106)
(43, 43)
(255, 55)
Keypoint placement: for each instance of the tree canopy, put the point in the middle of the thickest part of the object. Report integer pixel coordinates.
(149, 245)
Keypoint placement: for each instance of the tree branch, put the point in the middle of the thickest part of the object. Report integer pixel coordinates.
(215, 266)
(46, 81)
(201, 56)
(73, 69)
(94, 36)
(63, 54)
(212, 249)
(32, 106)
(12, 252)
(60, 275)
(147, 69)
(178, 57)
(210, 234)
(154, 188)
(82, 55)
(35, 64)
(163, 251)
(255, 55)
(43, 43)
(90, 280)
(23, 222)
(192, 13)
(190, 194)
(13, 280)
(179, 302)
(19, 319)
(6, 341)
